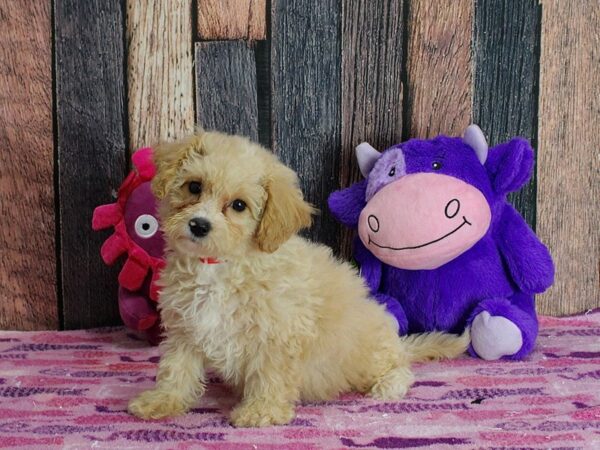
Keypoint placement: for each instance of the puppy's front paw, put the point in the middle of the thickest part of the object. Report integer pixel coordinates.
(156, 404)
(262, 414)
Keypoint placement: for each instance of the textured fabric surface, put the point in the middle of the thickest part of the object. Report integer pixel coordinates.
(70, 390)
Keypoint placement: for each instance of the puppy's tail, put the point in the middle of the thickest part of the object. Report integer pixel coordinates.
(436, 345)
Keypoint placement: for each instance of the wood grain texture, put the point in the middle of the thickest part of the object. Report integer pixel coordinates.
(92, 154)
(226, 87)
(262, 53)
(568, 159)
(506, 44)
(305, 98)
(27, 220)
(232, 19)
(372, 40)
(439, 78)
(160, 73)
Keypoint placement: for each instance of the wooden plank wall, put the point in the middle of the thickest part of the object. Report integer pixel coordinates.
(91, 139)
(27, 234)
(506, 46)
(309, 79)
(568, 159)
(160, 77)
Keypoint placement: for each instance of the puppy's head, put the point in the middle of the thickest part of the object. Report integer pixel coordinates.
(224, 196)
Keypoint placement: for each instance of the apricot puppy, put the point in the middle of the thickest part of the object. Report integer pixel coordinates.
(278, 317)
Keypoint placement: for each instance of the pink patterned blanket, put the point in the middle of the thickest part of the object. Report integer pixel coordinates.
(70, 390)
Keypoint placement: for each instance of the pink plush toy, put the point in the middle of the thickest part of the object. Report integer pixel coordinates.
(136, 233)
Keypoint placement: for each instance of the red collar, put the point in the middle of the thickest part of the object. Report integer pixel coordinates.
(209, 260)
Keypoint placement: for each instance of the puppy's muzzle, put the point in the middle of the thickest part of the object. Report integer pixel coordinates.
(199, 227)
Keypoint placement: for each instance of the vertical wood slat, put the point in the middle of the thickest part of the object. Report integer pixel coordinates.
(92, 152)
(372, 40)
(159, 71)
(226, 87)
(438, 92)
(27, 221)
(305, 99)
(568, 164)
(506, 48)
(232, 19)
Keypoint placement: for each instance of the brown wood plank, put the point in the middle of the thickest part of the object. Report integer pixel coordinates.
(439, 78)
(306, 98)
(372, 32)
(160, 70)
(226, 87)
(232, 19)
(92, 150)
(506, 51)
(27, 219)
(568, 164)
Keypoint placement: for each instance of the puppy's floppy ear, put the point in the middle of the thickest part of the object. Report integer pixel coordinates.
(168, 158)
(285, 211)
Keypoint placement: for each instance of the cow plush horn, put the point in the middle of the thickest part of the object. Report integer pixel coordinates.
(476, 140)
(366, 156)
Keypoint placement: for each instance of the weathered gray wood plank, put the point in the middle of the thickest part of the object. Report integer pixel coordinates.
(506, 45)
(306, 97)
(226, 87)
(92, 156)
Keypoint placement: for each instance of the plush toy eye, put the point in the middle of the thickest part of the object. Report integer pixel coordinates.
(238, 205)
(392, 172)
(436, 165)
(195, 187)
(146, 226)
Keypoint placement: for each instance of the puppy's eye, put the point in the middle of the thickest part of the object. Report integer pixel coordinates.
(392, 172)
(238, 205)
(436, 165)
(195, 187)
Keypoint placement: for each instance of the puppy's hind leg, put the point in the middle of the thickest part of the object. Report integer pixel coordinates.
(395, 382)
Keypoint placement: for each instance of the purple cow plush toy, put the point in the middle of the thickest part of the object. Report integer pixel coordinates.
(440, 246)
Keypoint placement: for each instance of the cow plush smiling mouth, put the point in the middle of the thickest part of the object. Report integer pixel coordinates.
(440, 246)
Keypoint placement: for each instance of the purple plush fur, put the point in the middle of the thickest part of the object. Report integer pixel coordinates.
(499, 274)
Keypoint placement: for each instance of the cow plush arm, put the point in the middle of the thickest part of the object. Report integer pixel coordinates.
(527, 259)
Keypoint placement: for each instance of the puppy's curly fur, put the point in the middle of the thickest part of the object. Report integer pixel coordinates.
(278, 317)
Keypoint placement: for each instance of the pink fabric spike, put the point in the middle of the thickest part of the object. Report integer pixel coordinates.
(132, 274)
(112, 248)
(142, 160)
(106, 216)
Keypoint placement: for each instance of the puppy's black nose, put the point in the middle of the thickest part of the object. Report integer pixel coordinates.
(199, 227)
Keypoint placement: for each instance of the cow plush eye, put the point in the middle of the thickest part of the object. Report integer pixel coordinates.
(392, 172)
(195, 187)
(436, 165)
(238, 205)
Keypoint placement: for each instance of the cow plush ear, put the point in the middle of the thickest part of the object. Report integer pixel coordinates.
(347, 204)
(510, 165)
